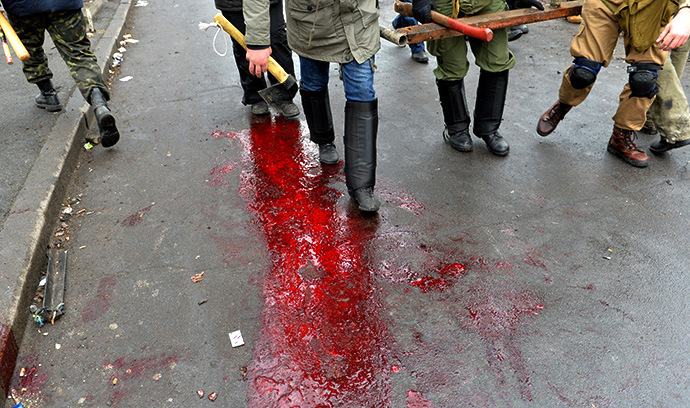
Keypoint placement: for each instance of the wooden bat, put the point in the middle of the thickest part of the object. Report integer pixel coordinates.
(16, 44)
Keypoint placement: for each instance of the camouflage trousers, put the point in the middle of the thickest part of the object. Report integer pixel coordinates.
(669, 114)
(67, 29)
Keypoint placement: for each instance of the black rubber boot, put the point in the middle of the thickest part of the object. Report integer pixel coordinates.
(107, 130)
(317, 111)
(455, 114)
(361, 128)
(488, 110)
(48, 98)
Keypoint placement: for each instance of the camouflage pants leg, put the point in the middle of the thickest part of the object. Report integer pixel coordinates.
(669, 114)
(67, 29)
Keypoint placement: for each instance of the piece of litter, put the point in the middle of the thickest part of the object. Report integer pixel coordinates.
(201, 302)
(67, 210)
(42, 282)
(88, 146)
(212, 396)
(57, 346)
(197, 278)
(157, 376)
(127, 78)
(607, 257)
(141, 3)
(22, 372)
(200, 393)
(114, 381)
(122, 49)
(236, 338)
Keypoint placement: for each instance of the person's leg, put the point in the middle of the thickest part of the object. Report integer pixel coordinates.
(361, 129)
(317, 107)
(417, 49)
(251, 85)
(68, 31)
(31, 31)
(282, 53)
(495, 60)
(669, 114)
(592, 47)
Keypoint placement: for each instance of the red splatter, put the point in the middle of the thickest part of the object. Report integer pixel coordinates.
(218, 173)
(100, 304)
(415, 399)
(322, 342)
(126, 373)
(395, 368)
(136, 218)
(8, 356)
(30, 384)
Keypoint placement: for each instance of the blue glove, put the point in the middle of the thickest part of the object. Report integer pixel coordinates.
(518, 4)
(421, 10)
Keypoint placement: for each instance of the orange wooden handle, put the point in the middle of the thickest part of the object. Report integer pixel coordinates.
(16, 44)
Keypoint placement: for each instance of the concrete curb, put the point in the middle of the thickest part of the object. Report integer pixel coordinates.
(29, 225)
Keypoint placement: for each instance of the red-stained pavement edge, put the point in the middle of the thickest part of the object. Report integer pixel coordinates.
(26, 232)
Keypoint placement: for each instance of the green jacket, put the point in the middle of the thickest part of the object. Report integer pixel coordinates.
(642, 20)
(324, 30)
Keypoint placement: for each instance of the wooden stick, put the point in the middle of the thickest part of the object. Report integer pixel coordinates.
(15, 42)
(494, 21)
(464, 29)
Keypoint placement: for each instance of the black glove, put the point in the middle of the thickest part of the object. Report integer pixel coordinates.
(421, 10)
(518, 4)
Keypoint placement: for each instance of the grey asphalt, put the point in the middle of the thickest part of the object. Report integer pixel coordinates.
(554, 277)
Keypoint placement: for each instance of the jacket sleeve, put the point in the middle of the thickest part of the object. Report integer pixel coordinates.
(257, 18)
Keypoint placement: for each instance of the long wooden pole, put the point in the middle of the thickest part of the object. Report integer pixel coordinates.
(494, 21)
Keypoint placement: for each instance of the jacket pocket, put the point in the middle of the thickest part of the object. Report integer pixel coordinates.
(314, 21)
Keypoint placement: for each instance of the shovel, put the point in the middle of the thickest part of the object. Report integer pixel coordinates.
(273, 95)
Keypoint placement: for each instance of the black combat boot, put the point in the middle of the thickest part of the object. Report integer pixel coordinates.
(317, 111)
(488, 110)
(361, 127)
(107, 130)
(455, 114)
(48, 98)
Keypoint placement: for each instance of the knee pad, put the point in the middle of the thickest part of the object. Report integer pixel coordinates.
(584, 72)
(642, 79)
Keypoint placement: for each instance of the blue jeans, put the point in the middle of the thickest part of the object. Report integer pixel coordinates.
(358, 79)
(401, 21)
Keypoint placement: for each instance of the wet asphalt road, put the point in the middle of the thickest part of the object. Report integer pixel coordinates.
(554, 277)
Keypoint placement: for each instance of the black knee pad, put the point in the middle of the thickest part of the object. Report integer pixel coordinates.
(584, 72)
(642, 79)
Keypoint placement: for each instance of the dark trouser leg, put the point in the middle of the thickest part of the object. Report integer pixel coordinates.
(361, 128)
(251, 85)
(31, 31)
(455, 114)
(488, 111)
(68, 32)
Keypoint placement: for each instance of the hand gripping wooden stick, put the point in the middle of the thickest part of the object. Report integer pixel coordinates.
(481, 33)
(11, 35)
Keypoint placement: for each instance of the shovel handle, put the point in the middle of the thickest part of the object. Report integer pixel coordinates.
(477, 32)
(15, 42)
(273, 67)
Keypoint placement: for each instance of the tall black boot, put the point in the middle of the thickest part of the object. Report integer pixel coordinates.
(317, 111)
(361, 127)
(106, 122)
(455, 114)
(48, 98)
(488, 111)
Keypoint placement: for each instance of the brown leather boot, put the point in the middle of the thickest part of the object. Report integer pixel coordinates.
(622, 145)
(550, 119)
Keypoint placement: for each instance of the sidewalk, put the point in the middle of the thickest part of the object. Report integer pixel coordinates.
(31, 194)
